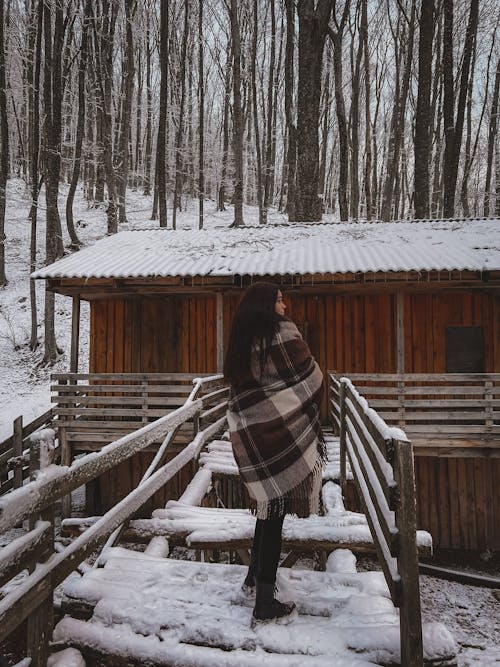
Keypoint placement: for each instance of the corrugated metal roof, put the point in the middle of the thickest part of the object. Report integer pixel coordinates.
(298, 249)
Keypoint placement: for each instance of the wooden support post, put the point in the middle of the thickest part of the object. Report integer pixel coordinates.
(219, 303)
(75, 335)
(400, 333)
(17, 450)
(40, 623)
(400, 351)
(410, 617)
(343, 434)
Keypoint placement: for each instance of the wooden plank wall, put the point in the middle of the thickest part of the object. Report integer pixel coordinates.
(459, 501)
(428, 315)
(156, 335)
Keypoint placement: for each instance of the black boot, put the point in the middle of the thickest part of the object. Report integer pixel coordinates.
(248, 585)
(267, 607)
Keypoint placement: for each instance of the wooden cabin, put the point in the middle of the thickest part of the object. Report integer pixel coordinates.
(370, 298)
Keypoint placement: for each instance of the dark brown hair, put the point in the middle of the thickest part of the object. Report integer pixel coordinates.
(255, 318)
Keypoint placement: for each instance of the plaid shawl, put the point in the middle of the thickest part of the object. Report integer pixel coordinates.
(275, 429)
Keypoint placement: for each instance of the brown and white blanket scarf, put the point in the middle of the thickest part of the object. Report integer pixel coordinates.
(274, 422)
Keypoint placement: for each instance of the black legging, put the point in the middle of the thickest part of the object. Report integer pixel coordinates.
(266, 549)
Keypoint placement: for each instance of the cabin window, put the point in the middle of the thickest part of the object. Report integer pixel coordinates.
(464, 350)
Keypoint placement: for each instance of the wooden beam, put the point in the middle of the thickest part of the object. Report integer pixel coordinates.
(75, 334)
(400, 333)
(220, 330)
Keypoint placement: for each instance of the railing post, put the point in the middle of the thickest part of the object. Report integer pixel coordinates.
(65, 450)
(17, 451)
(343, 434)
(40, 622)
(410, 616)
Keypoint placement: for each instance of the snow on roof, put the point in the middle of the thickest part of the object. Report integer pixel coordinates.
(297, 248)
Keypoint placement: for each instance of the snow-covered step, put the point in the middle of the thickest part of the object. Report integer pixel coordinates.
(210, 528)
(218, 457)
(160, 611)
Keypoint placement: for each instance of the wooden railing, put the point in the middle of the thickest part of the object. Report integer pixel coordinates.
(455, 411)
(381, 460)
(36, 551)
(17, 453)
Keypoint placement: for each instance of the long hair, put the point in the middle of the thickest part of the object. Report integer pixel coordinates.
(255, 320)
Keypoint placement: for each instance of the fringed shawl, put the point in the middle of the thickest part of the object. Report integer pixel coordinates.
(275, 429)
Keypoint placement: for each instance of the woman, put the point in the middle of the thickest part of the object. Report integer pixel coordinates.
(274, 422)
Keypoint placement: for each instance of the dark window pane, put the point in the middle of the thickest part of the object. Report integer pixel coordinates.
(464, 350)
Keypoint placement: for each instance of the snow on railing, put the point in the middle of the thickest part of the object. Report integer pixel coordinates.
(381, 460)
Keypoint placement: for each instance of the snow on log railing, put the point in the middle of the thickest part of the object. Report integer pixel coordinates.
(381, 460)
(48, 565)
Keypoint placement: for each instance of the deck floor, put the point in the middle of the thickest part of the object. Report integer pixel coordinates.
(150, 610)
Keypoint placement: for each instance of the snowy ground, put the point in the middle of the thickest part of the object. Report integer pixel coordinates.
(472, 614)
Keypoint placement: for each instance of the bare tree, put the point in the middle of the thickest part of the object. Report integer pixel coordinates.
(253, 60)
(201, 107)
(398, 116)
(454, 128)
(162, 118)
(492, 137)
(422, 115)
(180, 123)
(4, 148)
(80, 125)
(238, 126)
(336, 35)
(291, 129)
(52, 99)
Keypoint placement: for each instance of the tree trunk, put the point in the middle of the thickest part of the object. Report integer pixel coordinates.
(104, 46)
(34, 132)
(422, 115)
(52, 149)
(201, 122)
(492, 134)
(179, 179)
(149, 111)
(260, 203)
(368, 140)
(238, 126)
(336, 37)
(162, 118)
(123, 154)
(313, 24)
(454, 144)
(268, 191)
(354, 126)
(75, 242)
(4, 149)
(291, 130)
(398, 121)
(221, 197)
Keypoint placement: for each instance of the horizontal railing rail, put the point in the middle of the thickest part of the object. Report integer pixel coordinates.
(381, 460)
(36, 551)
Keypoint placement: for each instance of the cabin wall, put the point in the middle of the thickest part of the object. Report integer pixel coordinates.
(156, 335)
(458, 501)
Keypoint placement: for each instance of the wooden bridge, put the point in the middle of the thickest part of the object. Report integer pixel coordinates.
(146, 608)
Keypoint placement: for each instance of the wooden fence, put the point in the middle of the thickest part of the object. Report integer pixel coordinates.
(32, 599)
(381, 460)
(17, 451)
(456, 413)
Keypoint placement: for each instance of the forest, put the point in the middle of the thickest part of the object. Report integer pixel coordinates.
(360, 109)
